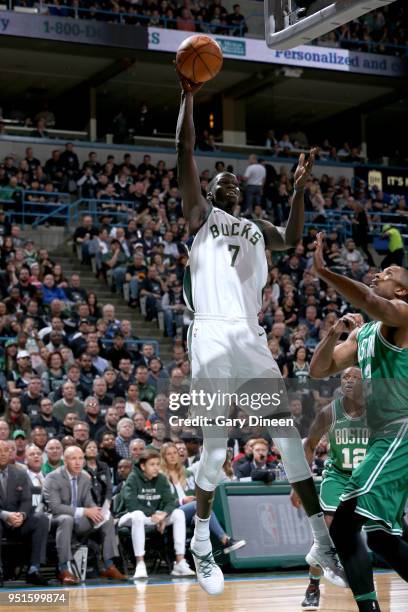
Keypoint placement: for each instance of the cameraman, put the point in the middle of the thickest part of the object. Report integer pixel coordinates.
(258, 467)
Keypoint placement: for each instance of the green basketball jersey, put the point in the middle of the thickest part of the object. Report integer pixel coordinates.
(348, 439)
(386, 367)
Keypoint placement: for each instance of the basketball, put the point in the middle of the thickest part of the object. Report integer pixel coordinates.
(199, 58)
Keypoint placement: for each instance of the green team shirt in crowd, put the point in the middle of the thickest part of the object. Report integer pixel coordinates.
(348, 439)
(386, 367)
(395, 240)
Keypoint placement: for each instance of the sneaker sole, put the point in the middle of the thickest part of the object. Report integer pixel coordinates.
(236, 546)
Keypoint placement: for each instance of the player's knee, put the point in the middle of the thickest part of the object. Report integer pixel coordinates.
(137, 516)
(178, 516)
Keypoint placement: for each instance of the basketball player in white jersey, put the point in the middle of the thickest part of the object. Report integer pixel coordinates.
(223, 286)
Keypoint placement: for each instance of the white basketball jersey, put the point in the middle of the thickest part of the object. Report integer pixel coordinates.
(227, 268)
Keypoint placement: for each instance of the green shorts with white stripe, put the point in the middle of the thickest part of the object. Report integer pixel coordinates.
(333, 484)
(380, 483)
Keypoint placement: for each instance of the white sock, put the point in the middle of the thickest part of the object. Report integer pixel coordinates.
(320, 531)
(202, 543)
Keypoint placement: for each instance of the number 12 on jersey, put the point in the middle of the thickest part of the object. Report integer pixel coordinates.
(234, 248)
(351, 462)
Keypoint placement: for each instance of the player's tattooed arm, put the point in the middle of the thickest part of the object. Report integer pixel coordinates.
(393, 313)
(319, 427)
(283, 238)
(195, 206)
(330, 356)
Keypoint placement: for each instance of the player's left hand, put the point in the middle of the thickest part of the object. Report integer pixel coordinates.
(304, 169)
(318, 259)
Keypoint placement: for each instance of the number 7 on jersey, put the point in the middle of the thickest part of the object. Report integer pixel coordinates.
(234, 248)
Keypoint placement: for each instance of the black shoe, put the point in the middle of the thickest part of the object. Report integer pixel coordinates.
(36, 579)
(312, 599)
(231, 545)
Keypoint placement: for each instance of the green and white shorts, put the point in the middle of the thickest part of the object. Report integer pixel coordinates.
(380, 483)
(333, 484)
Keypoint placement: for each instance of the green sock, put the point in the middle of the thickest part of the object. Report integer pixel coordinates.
(368, 602)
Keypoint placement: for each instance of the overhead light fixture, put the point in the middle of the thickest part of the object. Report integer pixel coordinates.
(292, 73)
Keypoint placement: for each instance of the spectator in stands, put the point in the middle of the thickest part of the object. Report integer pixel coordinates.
(133, 403)
(39, 437)
(300, 420)
(101, 483)
(118, 350)
(158, 434)
(93, 418)
(395, 252)
(351, 254)
(152, 289)
(31, 398)
(258, 467)
(17, 519)
(158, 377)
(236, 21)
(173, 307)
(100, 392)
(40, 130)
(20, 439)
(98, 362)
(67, 495)
(125, 467)
(254, 178)
(182, 486)
(140, 424)
(110, 423)
(108, 454)
(33, 460)
(185, 21)
(4, 430)
(88, 373)
(15, 417)
(125, 431)
(158, 510)
(81, 432)
(46, 418)
(19, 376)
(146, 391)
(51, 291)
(137, 448)
(53, 452)
(69, 403)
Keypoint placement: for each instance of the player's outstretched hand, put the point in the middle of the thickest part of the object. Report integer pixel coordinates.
(304, 169)
(348, 323)
(318, 259)
(187, 85)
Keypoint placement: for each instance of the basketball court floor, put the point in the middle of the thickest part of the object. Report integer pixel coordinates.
(260, 593)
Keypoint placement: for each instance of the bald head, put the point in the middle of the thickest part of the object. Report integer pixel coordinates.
(391, 283)
(74, 460)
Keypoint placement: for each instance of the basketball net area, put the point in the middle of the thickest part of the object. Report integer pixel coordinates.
(289, 23)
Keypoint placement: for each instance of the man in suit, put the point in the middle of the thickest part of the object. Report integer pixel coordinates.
(17, 519)
(67, 496)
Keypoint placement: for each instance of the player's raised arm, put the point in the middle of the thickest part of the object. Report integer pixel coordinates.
(195, 206)
(391, 312)
(320, 426)
(330, 356)
(282, 238)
